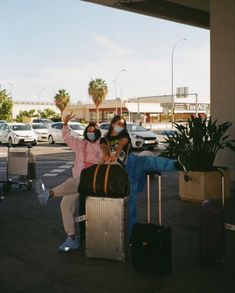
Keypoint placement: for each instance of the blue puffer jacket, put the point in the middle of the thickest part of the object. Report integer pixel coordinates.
(137, 168)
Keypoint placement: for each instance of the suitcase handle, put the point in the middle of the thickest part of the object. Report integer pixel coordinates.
(159, 197)
(222, 184)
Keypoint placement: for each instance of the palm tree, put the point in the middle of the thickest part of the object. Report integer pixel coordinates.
(97, 90)
(62, 99)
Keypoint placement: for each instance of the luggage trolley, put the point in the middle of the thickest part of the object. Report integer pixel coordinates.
(20, 168)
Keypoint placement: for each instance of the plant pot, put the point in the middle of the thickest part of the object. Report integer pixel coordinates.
(204, 185)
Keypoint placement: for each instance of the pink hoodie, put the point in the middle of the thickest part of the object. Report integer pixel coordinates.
(87, 153)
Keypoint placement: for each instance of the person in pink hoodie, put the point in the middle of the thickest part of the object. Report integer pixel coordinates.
(87, 153)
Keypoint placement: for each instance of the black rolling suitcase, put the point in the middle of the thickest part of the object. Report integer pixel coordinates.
(212, 230)
(151, 243)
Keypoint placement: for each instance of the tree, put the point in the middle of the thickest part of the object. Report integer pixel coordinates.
(26, 114)
(62, 99)
(5, 106)
(48, 114)
(97, 90)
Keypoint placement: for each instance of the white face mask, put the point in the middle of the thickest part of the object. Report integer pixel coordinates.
(118, 129)
(91, 136)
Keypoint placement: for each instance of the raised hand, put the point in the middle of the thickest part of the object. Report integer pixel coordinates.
(68, 118)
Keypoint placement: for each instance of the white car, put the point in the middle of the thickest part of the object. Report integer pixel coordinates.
(55, 131)
(141, 138)
(17, 133)
(41, 130)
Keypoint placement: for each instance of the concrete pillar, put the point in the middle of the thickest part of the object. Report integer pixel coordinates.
(222, 29)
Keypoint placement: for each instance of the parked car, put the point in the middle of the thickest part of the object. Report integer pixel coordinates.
(17, 133)
(141, 138)
(55, 131)
(41, 120)
(41, 130)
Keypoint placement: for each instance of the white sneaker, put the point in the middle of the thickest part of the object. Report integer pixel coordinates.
(69, 244)
(42, 192)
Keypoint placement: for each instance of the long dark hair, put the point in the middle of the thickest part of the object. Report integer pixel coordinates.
(114, 120)
(97, 131)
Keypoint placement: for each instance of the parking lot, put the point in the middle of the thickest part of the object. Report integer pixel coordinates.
(53, 161)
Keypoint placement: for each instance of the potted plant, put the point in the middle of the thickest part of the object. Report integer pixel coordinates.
(196, 145)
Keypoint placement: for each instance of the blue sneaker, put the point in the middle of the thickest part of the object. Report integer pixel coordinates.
(42, 192)
(69, 244)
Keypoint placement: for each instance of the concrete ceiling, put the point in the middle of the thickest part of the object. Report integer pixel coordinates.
(191, 12)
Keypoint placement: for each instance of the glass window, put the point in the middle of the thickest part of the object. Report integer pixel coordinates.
(39, 126)
(2, 126)
(77, 126)
(20, 127)
(58, 126)
(104, 126)
(135, 128)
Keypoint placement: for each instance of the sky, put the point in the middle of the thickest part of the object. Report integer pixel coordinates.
(63, 44)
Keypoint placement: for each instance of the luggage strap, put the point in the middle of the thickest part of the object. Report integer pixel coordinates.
(79, 219)
(105, 178)
(228, 226)
(94, 178)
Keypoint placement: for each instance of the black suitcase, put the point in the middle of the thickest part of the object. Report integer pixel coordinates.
(212, 230)
(151, 243)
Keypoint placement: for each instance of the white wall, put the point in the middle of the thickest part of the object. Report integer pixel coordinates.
(26, 106)
(222, 27)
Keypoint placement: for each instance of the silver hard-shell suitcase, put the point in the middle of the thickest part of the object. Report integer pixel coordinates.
(106, 228)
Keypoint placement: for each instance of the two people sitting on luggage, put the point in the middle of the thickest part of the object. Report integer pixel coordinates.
(88, 152)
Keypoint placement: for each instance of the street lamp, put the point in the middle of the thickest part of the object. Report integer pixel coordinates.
(115, 83)
(39, 93)
(11, 86)
(120, 96)
(172, 80)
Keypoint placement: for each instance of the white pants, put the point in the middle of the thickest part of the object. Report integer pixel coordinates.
(69, 191)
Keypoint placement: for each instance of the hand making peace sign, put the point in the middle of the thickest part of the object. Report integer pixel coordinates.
(68, 118)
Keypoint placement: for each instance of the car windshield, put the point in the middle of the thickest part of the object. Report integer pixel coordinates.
(135, 128)
(104, 126)
(47, 121)
(39, 126)
(20, 127)
(77, 126)
(42, 121)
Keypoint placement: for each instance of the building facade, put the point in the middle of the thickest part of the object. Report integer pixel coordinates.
(144, 109)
